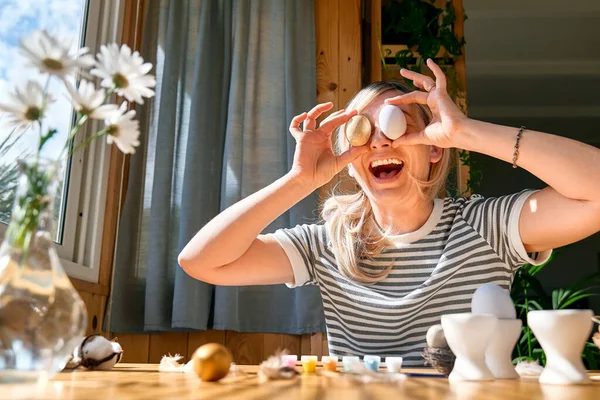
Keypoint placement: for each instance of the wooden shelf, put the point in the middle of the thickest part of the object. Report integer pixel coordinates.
(394, 48)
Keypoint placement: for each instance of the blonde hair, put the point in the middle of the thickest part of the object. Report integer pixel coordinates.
(349, 220)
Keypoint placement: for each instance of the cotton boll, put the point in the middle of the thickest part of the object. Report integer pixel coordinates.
(97, 352)
(358, 130)
(490, 298)
(392, 122)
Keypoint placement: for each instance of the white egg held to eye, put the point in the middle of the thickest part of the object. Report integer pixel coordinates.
(392, 122)
(490, 298)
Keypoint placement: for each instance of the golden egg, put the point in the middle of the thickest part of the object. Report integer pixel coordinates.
(212, 362)
(358, 130)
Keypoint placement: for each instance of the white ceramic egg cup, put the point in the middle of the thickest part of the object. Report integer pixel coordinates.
(498, 355)
(468, 336)
(562, 335)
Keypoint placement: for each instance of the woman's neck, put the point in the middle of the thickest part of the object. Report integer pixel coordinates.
(404, 216)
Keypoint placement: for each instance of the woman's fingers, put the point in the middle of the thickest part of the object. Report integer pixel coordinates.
(350, 155)
(425, 82)
(411, 138)
(336, 119)
(295, 129)
(421, 81)
(409, 98)
(307, 120)
(440, 78)
(311, 120)
(333, 115)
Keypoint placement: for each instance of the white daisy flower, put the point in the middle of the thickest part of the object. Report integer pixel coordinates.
(124, 71)
(53, 55)
(123, 130)
(88, 101)
(26, 106)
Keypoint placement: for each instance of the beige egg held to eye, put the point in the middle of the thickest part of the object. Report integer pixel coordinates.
(358, 130)
(392, 122)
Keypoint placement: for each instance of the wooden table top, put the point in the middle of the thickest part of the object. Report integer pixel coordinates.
(143, 381)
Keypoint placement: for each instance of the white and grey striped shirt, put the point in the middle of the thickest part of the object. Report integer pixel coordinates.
(436, 269)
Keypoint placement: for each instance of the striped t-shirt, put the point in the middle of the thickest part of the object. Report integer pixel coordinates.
(436, 269)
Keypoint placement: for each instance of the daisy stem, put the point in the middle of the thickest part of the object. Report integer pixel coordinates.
(45, 94)
(87, 141)
(81, 119)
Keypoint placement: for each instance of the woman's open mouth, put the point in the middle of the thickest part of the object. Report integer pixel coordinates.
(386, 169)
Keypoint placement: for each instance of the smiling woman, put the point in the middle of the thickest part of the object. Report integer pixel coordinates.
(393, 257)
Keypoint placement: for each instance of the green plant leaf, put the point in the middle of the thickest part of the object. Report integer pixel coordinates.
(534, 305)
(555, 298)
(590, 355)
(521, 358)
(403, 57)
(535, 285)
(573, 299)
(47, 137)
(428, 46)
(450, 42)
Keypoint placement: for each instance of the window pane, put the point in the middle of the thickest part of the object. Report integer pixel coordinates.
(18, 18)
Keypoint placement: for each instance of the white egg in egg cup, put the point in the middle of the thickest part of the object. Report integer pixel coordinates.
(492, 299)
(468, 336)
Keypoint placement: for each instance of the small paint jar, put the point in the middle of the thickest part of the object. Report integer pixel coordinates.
(348, 361)
(393, 364)
(330, 363)
(372, 362)
(289, 360)
(309, 363)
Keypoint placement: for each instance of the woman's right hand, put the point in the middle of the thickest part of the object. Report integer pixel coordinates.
(315, 162)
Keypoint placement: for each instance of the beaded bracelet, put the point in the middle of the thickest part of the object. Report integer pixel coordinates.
(516, 153)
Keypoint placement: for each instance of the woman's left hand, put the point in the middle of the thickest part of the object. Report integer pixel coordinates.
(447, 117)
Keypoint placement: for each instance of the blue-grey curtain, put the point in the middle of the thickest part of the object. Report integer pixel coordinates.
(230, 76)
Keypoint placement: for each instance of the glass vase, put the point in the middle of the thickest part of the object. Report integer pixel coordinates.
(42, 317)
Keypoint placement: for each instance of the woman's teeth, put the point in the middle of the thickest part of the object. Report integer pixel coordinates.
(386, 168)
(386, 161)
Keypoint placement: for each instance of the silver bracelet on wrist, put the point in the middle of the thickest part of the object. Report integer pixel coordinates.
(516, 153)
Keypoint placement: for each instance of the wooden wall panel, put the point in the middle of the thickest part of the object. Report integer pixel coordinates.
(95, 305)
(350, 58)
(136, 347)
(373, 42)
(316, 344)
(168, 343)
(325, 345)
(247, 348)
(197, 339)
(278, 342)
(305, 344)
(339, 62)
(327, 43)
